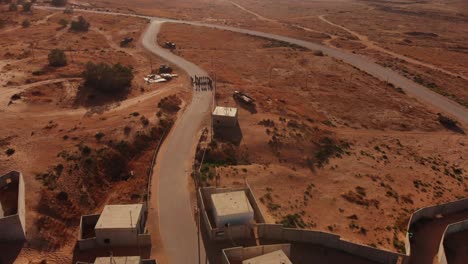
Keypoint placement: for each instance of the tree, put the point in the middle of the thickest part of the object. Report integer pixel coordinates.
(26, 23)
(27, 6)
(107, 78)
(81, 25)
(57, 58)
(59, 2)
(13, 7)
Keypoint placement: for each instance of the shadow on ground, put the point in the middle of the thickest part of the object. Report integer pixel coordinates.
(229, 134)
(10, 251)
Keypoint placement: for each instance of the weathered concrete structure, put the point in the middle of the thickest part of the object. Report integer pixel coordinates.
(232, 208)
(12, 207)
(257, 254)
(117, 226)
(121, 260)
(430, 213)
(276, 257)
(242, 226)
(225, 117)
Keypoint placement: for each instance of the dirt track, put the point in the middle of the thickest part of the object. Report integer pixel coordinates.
(413, 89)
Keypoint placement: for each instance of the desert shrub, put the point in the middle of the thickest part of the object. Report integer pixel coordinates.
(292, 221)
(62, 196)
(10, 151)
(107, 78)
(27, 6)
(170, 103)
(63, 22)
(57, 58)
(144, 121)
(13, 7)
(59, 2)
(26, 23)
(68, 10)
(318, 53)
(328, 148)
(81, 25)
(99, 136)
(267, 123)
(113, 164)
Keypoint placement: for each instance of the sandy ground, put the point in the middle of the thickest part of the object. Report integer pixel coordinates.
(398, 156)
(53, 115)
(420, 39)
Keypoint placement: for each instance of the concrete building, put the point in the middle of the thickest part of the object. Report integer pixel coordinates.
(232, 208)
(225, 117)
(12, 207)
(276, 257)
(117, 226)
(263, 254)
(229, 213)
(121, 260)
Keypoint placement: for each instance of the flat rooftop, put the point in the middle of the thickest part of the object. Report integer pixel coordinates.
(119, 216)
(225, 111)
(118, 260)
(275, 257)
(231, 203)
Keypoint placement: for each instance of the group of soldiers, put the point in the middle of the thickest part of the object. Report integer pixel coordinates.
(202, 83)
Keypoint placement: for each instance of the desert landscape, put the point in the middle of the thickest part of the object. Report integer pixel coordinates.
(326, 146)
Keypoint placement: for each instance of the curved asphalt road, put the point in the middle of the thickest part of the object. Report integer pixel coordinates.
(174, 162)
(437, 101)
(177, 225)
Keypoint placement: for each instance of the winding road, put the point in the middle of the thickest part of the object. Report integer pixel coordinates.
(173, 166)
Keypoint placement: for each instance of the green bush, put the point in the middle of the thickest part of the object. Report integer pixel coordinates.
(26, 23)
(57, 58)
(13, 7)
(27, 6)
(59, 2)
(107, 78)
(81, 25)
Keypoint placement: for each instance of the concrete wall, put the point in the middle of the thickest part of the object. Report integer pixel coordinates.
(12, 228)
(277, 232)
(224, 121)
(431, 212)
(238, 254)
(451, 229)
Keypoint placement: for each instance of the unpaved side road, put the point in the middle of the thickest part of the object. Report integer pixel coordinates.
(174, 165)
(423, 94)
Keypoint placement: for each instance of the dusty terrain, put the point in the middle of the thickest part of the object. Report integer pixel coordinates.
(351, 147)
(66, 138)
(424, 40)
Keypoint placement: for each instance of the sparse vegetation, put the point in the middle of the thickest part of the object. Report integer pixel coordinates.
(293, 221)
(57, 58)
(27, 6)
(106, 78)
(170, 103)
(59, 2)
(329, 148)
(10, 151)
(80, 25)
(25, 23)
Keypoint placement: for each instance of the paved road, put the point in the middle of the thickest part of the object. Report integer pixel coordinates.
(177, 226)
(437, 101)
